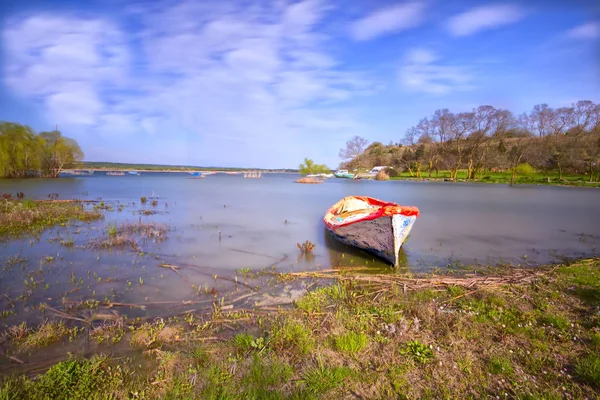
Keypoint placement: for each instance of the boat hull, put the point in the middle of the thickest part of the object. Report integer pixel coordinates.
(338, 175)
(381, 237)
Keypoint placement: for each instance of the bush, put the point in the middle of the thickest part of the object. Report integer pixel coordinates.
(382, 176)
(392, 172)
(525, 169)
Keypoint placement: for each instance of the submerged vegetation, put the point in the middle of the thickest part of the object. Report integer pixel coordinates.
(19, 217)
(508, 334)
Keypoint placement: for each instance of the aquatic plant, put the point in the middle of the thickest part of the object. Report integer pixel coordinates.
(306, 247)
(143, 200)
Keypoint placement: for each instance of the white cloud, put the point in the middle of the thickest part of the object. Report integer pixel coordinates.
(422, 73)
(484, 17)
(388, 20)
(589, 30)
(214, 75)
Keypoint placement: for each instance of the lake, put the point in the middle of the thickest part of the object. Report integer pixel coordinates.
(226, 223)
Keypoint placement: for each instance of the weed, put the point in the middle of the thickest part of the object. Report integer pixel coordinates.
(351, 342)
(588, 369)
(417, 351)
(321, 378)
(292, 335)
(245, 342)
(264, 375)
(306, 247)
(73, 379)
(143, 200)
(500, 365)
(112, 230)
(47, 333)
(556, 321)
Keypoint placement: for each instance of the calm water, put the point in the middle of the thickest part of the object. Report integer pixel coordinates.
(260, 222)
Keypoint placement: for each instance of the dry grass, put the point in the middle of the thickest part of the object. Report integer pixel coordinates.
(310, 179)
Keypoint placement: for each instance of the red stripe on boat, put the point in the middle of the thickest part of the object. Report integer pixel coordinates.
(386, 209)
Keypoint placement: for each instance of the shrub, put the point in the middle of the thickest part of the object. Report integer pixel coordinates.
(382, 176)
(525, 169)
(392, 172)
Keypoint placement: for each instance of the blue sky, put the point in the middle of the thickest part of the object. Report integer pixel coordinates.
(267, 83)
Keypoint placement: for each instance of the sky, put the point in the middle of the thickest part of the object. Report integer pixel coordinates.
(265, 84)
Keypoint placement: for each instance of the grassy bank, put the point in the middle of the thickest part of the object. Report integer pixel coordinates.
(18, 217)
(515, 334)
(504, 177)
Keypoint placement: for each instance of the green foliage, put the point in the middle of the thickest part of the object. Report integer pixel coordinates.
(23, 153)
(525, 169)
(351, 342)
(309, 167)
(245, 342)
(556, 321)
(417, 351)
(72, 380)
(588, 369)
(264, 375)
(321, 378)
(112, 230)
(500, 365)
(292, 335)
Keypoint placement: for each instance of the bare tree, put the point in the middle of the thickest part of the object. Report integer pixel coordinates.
(541, 116)
(354, 149)
(559, 144)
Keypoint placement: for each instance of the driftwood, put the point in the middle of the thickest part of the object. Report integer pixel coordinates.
(469, 281)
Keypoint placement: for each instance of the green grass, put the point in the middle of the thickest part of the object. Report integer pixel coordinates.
(321, 378)
(27, 217)
(500, 365)
(350, 342)
(538, 178)
(588, 369)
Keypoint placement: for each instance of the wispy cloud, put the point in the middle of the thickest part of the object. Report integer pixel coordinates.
(388, 20)
(484, 17)
(246, 73)
(589, 30)
(422, 72)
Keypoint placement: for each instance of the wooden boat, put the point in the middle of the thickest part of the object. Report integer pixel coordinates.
(370, 224)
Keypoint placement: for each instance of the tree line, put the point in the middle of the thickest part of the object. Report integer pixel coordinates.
(565, 139)
(23, 153)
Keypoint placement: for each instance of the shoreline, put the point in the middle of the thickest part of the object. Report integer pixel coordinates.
(502, 334)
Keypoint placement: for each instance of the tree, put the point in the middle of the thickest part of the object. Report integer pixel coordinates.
(541, 116)
(58, 153)
(353, 150)
(309, 167)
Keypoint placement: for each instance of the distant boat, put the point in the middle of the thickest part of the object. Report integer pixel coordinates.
(343, 173)
(133, 172)
(197, 174)
(115, 173)
(371, 224)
